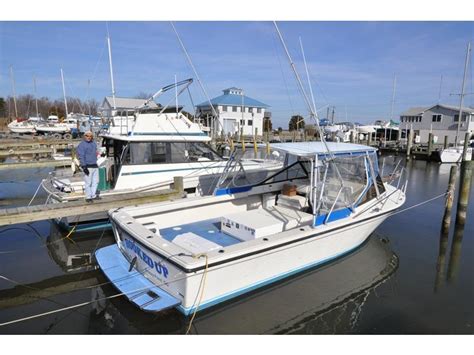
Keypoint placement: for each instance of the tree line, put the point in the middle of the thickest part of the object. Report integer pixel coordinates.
(26, 107)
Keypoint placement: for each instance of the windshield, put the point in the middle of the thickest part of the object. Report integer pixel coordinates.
(250, 166)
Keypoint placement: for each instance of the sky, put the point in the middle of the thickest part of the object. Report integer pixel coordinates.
(356, 66)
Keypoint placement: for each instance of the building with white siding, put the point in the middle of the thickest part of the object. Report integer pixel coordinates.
(441, 120)
(123, 106)
(235, 111)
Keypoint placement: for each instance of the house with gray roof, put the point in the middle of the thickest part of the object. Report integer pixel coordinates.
(122, 106)
(441, 120)
(236, 112)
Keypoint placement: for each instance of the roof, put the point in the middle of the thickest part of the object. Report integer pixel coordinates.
(415, 111)
(318, 148)
(126, 102)
(454, 108)
(234, 100)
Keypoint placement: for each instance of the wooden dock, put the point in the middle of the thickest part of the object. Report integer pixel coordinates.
(36, 164)
(17, 215)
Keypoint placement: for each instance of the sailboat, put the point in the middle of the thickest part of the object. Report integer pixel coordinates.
(455, 154)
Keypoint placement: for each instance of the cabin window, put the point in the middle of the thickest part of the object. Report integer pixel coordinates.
(146, 153)
(169, 153)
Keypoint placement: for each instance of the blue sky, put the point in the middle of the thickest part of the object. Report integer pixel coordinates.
(352, 64)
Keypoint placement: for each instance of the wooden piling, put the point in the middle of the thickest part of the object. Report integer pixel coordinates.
(178, 184)
(430, 144)
(449, 199)
(352, 137)
(441, 262)
(466, 145)
(455, 253)
(446, 144)
(409, 144)
(369, 138)
(464, 192)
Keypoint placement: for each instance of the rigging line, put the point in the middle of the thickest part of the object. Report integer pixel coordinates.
(197, 76)
(307, 75)
(283, 75)
(418, 204)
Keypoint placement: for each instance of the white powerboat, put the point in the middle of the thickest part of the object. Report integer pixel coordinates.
(197, 252)
(453, 154)
(22, 127)
(145, 154)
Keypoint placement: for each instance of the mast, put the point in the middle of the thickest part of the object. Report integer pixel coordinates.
(36, 97)
(14, 93)
(393, 96)
(64, 92)
(111, 71)
(462, 92)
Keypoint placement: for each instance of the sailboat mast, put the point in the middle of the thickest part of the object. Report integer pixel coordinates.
(64, 93)
(14, 92)
(36, 97)
(462, 92)
(111, 72)
(393, 96)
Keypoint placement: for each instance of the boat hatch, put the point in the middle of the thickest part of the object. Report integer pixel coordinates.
(137, 288)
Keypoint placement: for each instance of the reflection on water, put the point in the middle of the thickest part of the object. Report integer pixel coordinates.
(369, 291)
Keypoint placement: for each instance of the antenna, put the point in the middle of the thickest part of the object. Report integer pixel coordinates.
(111, 68)
(439, 94)
(64, 92)
(468, 52)
(393, 96)
(14, 93)
(36, 97)
(216, 115)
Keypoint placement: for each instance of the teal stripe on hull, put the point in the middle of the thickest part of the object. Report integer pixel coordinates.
(190, 310)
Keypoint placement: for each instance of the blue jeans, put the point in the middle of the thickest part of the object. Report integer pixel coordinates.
(91, 182)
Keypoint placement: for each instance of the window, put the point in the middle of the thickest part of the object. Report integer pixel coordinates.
(259, 110)
(456, 117)
(250, 109)
(242, 122)
(224, 108)
(436, 118)
(234, 108)
(250, 122)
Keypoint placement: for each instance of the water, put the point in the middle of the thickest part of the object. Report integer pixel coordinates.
(395, 283)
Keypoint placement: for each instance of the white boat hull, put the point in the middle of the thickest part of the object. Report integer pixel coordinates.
(256, 270)
(454, 155)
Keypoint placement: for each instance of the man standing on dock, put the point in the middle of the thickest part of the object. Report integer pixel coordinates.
(87, 154)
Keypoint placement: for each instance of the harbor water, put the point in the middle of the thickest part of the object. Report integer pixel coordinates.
(406, 278)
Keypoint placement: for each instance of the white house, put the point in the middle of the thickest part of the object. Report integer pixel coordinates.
(236, 111)
(441, 120)
(123, 106)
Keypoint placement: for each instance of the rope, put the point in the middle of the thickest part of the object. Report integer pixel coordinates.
(200, 289)
(36, 192)
(418, 204)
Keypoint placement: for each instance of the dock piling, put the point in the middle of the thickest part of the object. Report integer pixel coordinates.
(446, 145)
(466, 145)
(409, 143)
(464, 192)
(449, 199)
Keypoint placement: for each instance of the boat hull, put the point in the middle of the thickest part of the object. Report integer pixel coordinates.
(227, 280)
(453, 155)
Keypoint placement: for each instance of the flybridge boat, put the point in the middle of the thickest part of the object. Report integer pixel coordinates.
(144, 152)
(194, 253)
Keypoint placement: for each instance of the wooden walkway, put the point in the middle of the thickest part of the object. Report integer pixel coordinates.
(17, 215)
(36, 164)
